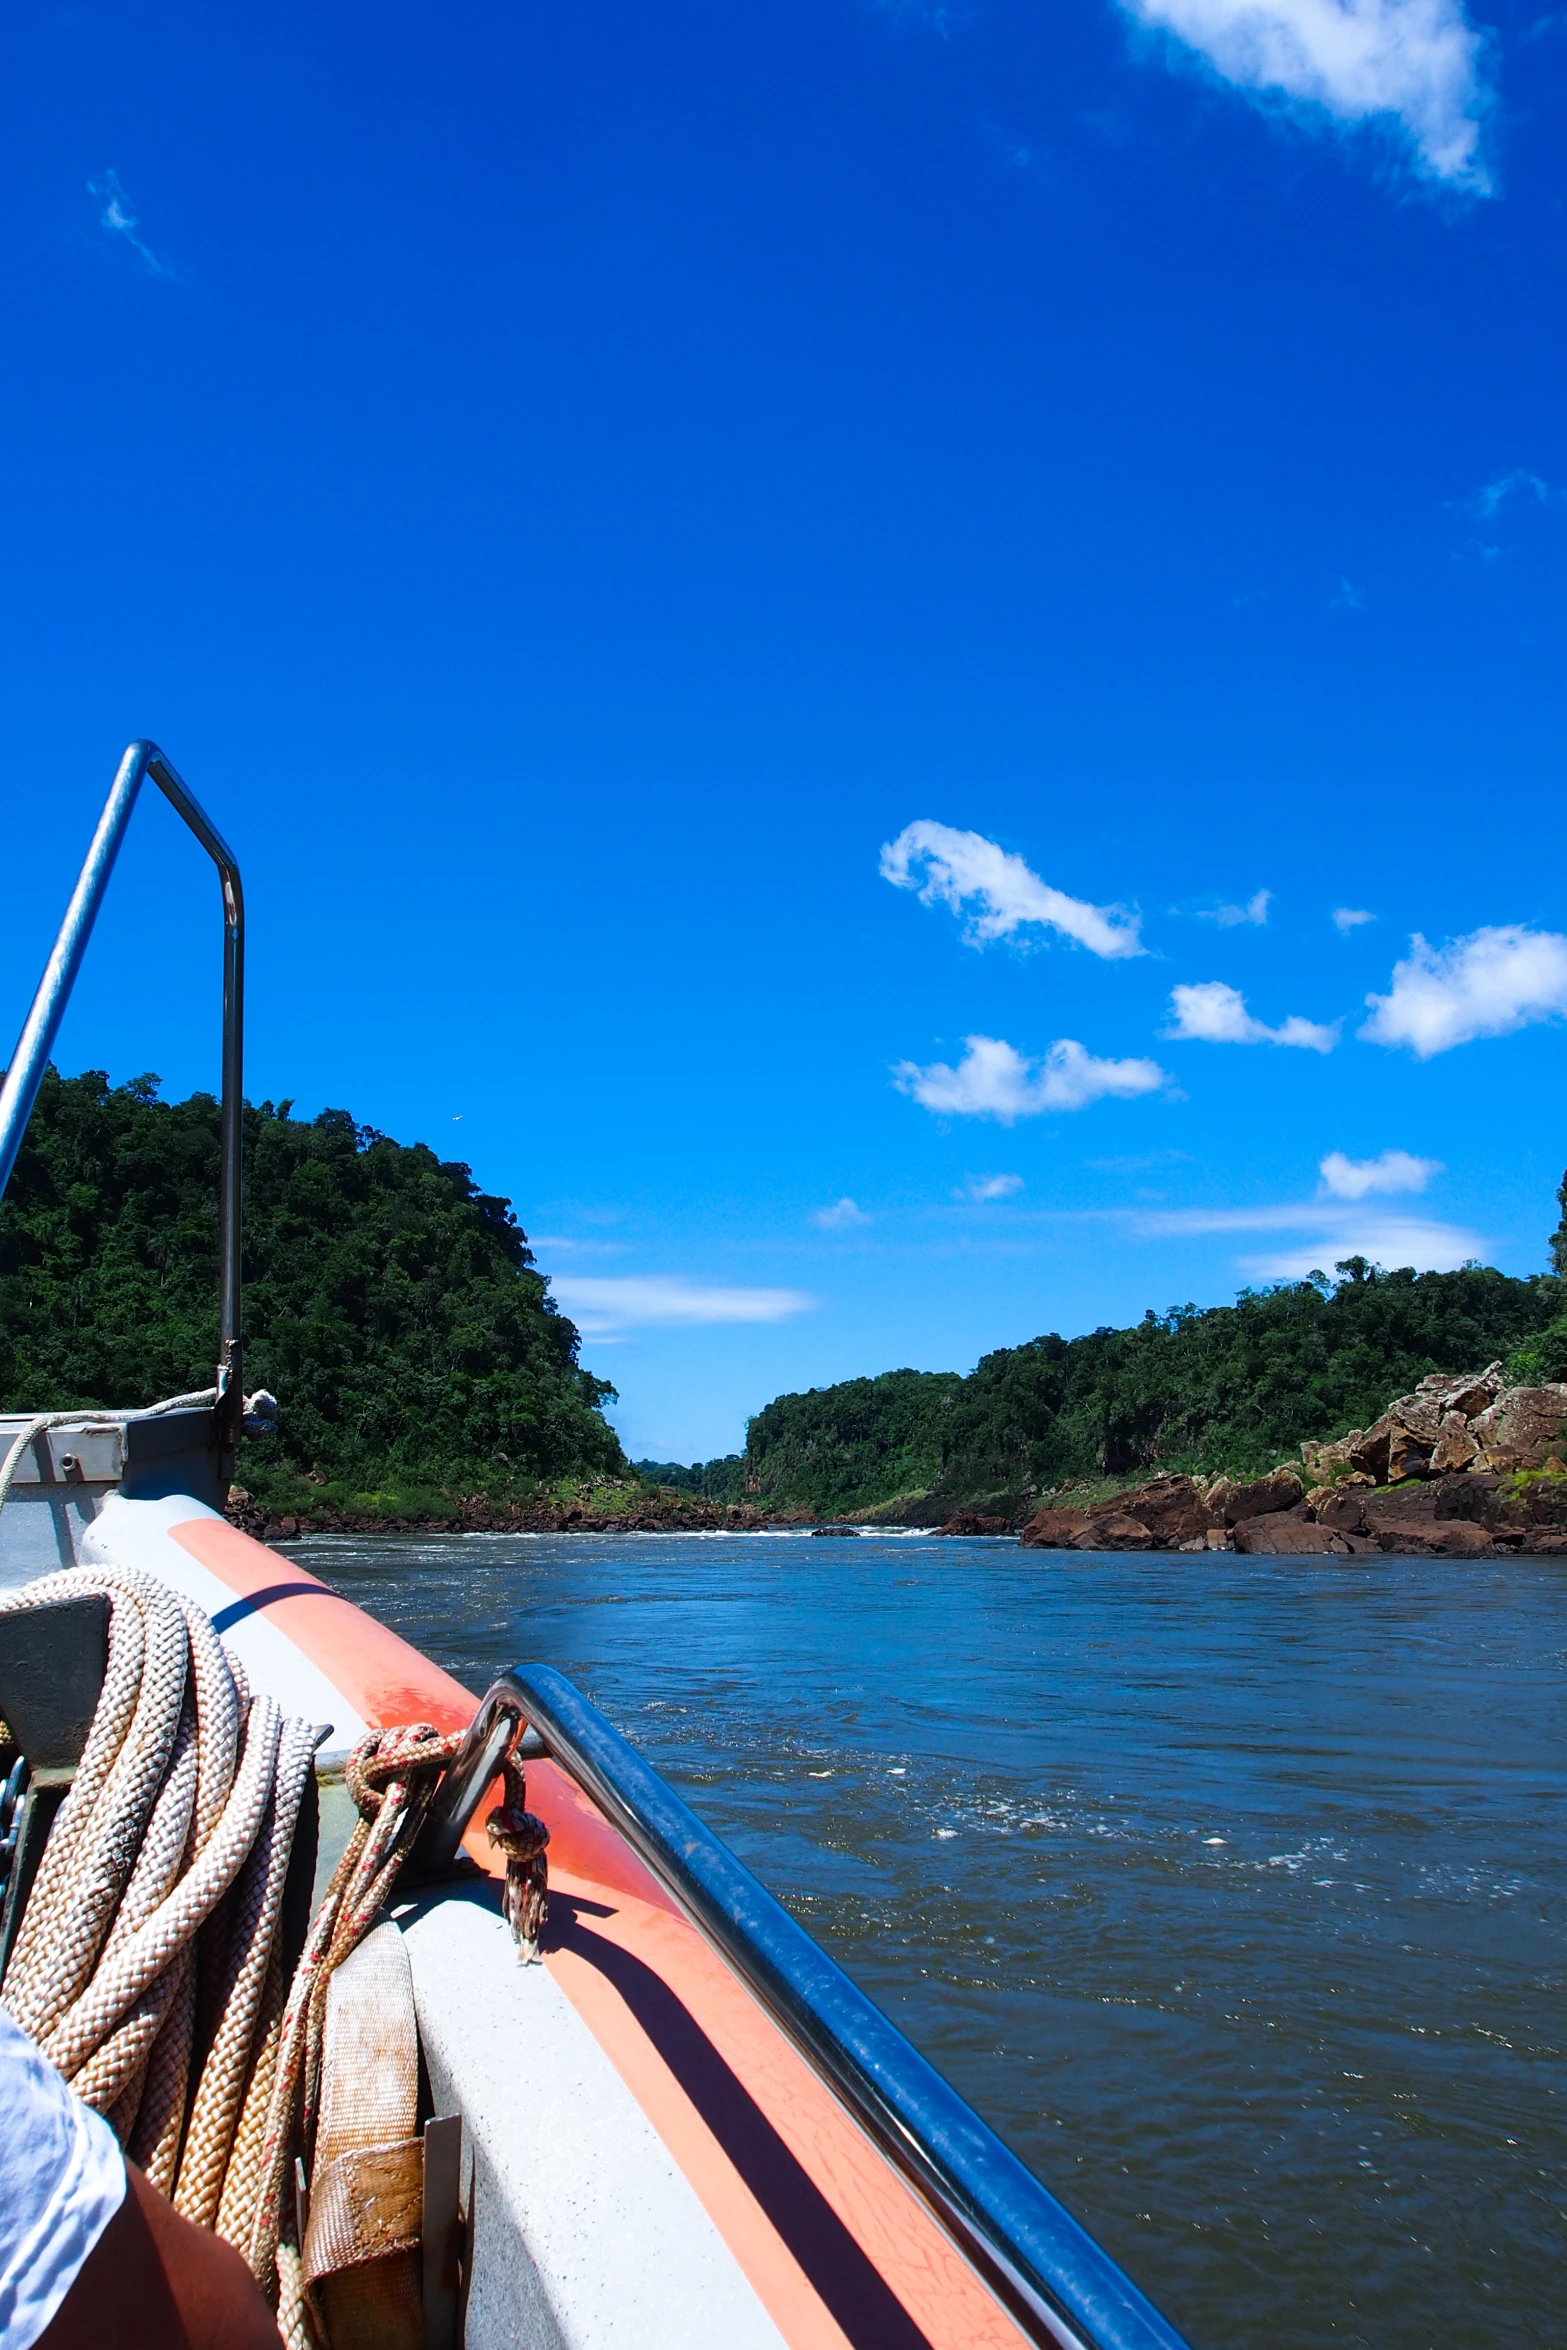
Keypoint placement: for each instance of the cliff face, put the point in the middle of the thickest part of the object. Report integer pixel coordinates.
(1461, 1467)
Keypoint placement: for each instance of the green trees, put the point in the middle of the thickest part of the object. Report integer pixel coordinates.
(1234, 1388)
(391, 1305)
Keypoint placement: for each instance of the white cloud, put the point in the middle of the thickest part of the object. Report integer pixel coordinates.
(1213, 1013)
(1487, 984)
(949, 868)
(1344, 1178)
(1489, 502)
(1347, 918)
(1332, 1232)
(1414, 64)
(120, 221)
(1390, 1241)
(842, 1216)
(994, 1080)
(669, 1301)
(1230, 917)
(986, 1187)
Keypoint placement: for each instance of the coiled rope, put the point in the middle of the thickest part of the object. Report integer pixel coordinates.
(148, 1966)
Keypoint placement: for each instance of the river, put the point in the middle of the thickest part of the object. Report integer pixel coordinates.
(1230, 1891)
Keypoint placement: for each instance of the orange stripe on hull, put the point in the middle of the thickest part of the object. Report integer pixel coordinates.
(384, 1679)
(837, 2248)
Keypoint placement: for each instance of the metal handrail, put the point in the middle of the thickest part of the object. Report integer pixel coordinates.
(33, 1046)
(1046, 2269)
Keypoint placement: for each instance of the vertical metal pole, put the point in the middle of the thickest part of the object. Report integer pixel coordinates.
(231, 1345)
(39, 1029)
(31, 1057)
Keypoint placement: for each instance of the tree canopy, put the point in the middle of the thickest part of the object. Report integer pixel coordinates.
(1226, 1388)
(392, 1306)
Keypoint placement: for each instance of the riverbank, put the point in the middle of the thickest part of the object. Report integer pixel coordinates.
(1461, 1467)
(612, 1506)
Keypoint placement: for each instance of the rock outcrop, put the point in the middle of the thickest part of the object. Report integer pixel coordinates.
(1464, 1467)
(1230, 1504)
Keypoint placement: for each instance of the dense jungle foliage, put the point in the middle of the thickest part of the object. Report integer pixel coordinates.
(395, 1310)
(391, 1305)
(1232, 1388)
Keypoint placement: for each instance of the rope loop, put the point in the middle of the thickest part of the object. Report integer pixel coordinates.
(522, 1836)
(386, 1757)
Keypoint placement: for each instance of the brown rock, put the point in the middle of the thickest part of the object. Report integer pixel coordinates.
(1420, 1413)
(1408, 1452)
(1525, 1427)
(1053, 1529)
(1229, 1503)
(1369, 1453)
(966, 1522)
(1446, 1538)
(1532, 1501)
(1471, 1396)
(1455, 1447)
(1326, 1464)
(1113, 1530)
(1281, 1534)
(1172, 1508)
(1343, 1507)
(1472, 1495)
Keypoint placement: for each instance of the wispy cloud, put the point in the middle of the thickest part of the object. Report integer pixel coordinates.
(1344, 1178)
(1230, 917)
(963, 869)
(669, 1301)
(1386, 1240)
(1331, 1232)
(1347, 918)
(994, 1080)
(842, 1216)
(1487, 503)
(118, 219)
(1414, 66)
(980, 1188)
(1488, 984)
(1210, 1012)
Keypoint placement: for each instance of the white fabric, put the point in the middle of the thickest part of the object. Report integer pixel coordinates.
(62, 2179)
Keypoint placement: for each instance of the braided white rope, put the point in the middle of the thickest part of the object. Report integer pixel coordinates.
(162, 1879)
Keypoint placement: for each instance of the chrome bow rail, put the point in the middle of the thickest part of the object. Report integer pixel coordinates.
(33, 1046)
(1047, 2271)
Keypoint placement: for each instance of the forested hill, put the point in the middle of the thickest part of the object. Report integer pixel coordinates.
(1230, 1389)
(391, 1305)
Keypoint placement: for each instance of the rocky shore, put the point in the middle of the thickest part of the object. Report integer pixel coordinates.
(1465, 1467)
(615, 1509)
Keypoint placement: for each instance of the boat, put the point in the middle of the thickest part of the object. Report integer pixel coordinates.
(683, 2123)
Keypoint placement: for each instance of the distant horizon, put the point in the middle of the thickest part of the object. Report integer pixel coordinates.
(906, 668)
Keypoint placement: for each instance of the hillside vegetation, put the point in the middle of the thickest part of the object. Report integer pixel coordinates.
(391, 1305)
(422, 1368)
(1230, 1389)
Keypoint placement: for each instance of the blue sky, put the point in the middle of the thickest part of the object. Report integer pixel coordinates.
(811, 622)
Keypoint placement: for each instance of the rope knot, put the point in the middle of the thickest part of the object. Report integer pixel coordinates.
(388, 1756)
(521, 1835)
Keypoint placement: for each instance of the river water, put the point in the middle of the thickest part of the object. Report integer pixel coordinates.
(1230, 1891)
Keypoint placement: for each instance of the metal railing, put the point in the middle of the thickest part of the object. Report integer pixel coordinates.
(34, 1045)
(1045, 2269)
